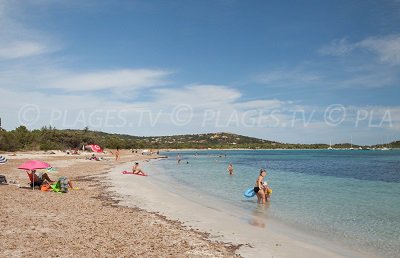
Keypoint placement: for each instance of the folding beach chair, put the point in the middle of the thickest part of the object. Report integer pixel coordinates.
(33, 183)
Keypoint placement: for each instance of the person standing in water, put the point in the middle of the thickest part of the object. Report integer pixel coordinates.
(178, 158)
(259, 187)
(230, 169)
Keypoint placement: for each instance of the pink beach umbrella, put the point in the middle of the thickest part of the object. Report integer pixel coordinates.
(33, 165)
(94, 147)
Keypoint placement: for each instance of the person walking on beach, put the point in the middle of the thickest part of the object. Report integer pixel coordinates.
(259, 187)
(230, 169)
(117, 154)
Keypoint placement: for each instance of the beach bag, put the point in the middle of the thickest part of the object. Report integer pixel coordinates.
(3, 179)
(45, 187)
(63, 184)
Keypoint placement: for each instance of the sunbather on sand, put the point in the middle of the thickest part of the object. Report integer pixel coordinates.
(137, 170)
(38, 178)
(62, 185)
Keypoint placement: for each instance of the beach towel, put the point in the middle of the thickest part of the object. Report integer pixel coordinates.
(131, 173)
(55, 187)
(51, 170)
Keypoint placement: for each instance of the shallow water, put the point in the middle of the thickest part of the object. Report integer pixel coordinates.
(349, 196)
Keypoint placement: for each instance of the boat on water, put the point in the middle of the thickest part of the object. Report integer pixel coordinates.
(330, 145)
(351, 143)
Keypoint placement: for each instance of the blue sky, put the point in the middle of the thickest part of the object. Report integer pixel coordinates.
(290, 71)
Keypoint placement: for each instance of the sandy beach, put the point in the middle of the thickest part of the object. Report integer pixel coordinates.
(89, 222)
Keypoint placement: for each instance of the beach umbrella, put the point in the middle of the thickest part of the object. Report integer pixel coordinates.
(33, 165)
(3, 160)
(94, 147)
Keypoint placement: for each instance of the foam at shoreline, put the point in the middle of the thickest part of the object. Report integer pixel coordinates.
(266, 237)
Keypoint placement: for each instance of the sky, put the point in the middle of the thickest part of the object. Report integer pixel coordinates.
(288, 71)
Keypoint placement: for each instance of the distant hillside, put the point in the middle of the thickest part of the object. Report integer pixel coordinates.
(395, 144)
(48, 138)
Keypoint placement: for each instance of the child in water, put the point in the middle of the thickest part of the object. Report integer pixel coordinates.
(267, 191)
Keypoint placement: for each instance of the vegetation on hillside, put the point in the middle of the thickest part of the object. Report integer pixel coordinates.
(50, 138)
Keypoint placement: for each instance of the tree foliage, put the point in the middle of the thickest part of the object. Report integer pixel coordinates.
(50, 138)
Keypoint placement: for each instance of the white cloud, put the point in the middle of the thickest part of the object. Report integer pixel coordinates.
(18, 40)
(338, 47)
(387, 48)
(129, 79)
(201, 96)
(369, 79)
(287, 77)
(262, 104)
(22, 49)
(213, 107)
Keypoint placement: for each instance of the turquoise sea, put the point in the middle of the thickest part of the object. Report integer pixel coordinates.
(349, 196)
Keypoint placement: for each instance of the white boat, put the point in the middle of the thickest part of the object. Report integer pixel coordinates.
(330, 145)
(351, 143)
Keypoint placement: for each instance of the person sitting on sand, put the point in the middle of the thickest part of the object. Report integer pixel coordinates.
(62, 185)
(39, 178)
(230, 169)
(259, 188)
(137, 170)
(93, 157)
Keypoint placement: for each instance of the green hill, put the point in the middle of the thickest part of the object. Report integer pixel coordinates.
(48, 138)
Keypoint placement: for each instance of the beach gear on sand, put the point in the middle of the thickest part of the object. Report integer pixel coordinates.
(33, 183)
(45, 187)
(33, 165)
(94, 147)
(3, 160)
(63, 181)
(51, 170)
(249, 193)
(3, 179)
(61, 186)
(131, 173)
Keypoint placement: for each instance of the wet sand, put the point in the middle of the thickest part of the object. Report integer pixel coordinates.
(256, 235)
